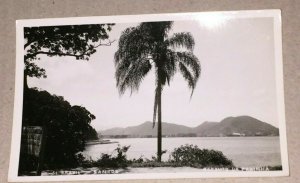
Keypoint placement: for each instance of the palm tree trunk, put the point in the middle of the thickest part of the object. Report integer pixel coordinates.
(159, 131)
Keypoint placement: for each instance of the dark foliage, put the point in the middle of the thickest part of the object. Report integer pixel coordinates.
(79, 41)
(275, 168)
(68, 128)
(187, 155)
(114, 161)
(190, 155)
(118, 159)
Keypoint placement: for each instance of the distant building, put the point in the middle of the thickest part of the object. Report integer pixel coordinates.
(235, 134)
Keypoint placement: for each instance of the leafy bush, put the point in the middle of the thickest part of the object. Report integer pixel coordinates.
(114, 161)
(190, 155)
(187, 155)
(150, 163)
(279, 167)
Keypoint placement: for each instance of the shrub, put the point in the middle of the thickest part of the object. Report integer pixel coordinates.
(114, 161)
(190, 155)
(278, 167)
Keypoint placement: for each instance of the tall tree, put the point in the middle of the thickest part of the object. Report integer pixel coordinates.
(68, 129)
(148, 46)
(79, 41)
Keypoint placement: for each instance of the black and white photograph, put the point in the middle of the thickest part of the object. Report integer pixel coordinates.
(185, 95)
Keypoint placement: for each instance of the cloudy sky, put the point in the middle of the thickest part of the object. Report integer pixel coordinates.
(238, 78)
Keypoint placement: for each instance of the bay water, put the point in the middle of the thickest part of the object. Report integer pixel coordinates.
(243, 151)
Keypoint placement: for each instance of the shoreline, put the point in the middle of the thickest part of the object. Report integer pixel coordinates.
(102, 141)
(134, 170)
(189, 137)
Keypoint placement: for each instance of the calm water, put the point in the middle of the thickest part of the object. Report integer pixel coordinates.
(243, 151)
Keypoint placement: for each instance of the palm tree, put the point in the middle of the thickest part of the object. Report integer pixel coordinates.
(148, 46)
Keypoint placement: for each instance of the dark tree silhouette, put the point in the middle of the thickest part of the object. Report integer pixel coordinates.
(79, 41)
(148, 46)
(68, 128)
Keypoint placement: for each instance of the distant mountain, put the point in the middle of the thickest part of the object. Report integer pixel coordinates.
(145, 129)
(205, 126)
(243, 125)
(231, 126)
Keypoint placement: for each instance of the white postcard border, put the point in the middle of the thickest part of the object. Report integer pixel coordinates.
(18, 100)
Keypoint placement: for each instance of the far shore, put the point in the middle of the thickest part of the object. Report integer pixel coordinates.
(112, 140)
(100, 141)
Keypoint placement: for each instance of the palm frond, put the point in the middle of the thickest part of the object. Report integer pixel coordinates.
(190, 60)
(132, 59)
(187, 75)
(182, 39)
(133, 43)
(170, 65)
(130, 75)
(156, 29)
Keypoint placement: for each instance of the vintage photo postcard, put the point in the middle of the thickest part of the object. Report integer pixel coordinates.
(159, 96)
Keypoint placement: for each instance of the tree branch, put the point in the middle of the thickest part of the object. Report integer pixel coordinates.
(62, 54)
(27, 44)
(53, 54)
(107, 44)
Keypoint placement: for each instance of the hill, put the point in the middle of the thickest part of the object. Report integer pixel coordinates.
(145, 130)
(237, 126)
(231, 126)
